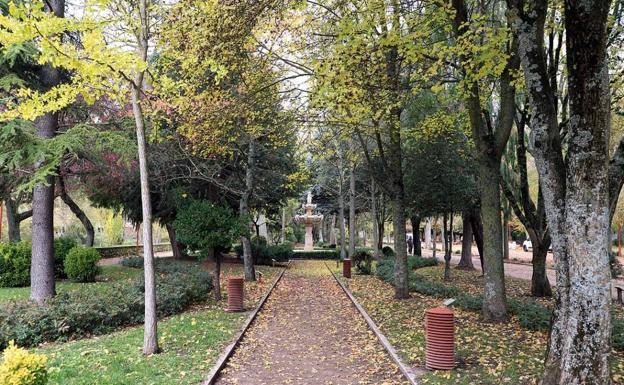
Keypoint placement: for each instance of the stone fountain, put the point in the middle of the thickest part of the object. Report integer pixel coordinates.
(309, 220)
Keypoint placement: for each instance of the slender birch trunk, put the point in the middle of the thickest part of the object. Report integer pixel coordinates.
(150, 333)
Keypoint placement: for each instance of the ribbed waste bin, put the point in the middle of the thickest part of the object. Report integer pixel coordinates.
(236, 294)
(346, 268)
(440, 337)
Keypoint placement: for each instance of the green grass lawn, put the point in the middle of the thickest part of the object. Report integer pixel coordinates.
(191, 342)
(109, 274)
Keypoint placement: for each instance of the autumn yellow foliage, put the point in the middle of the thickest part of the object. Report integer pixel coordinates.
(21, 367)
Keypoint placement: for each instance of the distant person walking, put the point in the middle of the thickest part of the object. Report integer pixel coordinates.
(410, 245)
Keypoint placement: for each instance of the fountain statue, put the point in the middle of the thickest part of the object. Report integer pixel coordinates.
(309, 220)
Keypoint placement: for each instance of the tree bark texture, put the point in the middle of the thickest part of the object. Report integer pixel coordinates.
(78, 212)
(415, 220)
(14, 219)
(352, 229)
(576, 188)
(176, 246)
(42, 285)
(465, 262)
(248, 260)
(150, 332)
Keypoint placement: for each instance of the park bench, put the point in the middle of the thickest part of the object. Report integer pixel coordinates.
(618, 289)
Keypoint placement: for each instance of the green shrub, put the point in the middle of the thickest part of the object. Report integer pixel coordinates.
(385, 270)
(15, 264)
(317, 254)
(363, 261)
(81, 264)
(100, 310)
(259, 240)
(62, 246)
(416, 262)
(615, 265)
(531, 315)
(469, 302)
(264, 254)
(133, 262)
(617, 333)
(19, 367)
(206, 227)
(388, 252)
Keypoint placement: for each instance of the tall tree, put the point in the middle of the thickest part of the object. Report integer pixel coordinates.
(532, 216)
(490, 137)
(578, 186)
(42, 285)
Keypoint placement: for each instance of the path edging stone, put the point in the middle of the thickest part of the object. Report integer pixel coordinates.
(406, 370)
(229, 350)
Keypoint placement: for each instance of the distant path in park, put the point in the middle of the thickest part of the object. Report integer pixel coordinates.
(309, 333)
(514, 270)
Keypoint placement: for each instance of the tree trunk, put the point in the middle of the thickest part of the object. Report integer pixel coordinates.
(477, 231)
(434, 245)
(416, 235)
(428, 233)
(250, 273)
(619, 239)
(505, 236)
(352, 229)
(400, 248)
(575, 185)
(494, 298)
(341, 217)
(465, 263)
(13, 222)
(217, 275)
(150, 333)
(332, 231)
(283, 231)
(176, 246)
(42, 285)
(447, 246)
(540, 287)
(376, 248)
(77, 211)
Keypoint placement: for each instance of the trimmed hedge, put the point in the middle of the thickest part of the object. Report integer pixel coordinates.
(62, 247)
(81, 264)
(316, 254)
(264, 254)
(15, 261)
(387, 251)
(100, 310)
(14, 264)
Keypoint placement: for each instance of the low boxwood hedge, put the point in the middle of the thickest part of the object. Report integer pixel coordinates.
(15, 261)
(264, 254)
(98, 310)
(14, 264)
(316, 254)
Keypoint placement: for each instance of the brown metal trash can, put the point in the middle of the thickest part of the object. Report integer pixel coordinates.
(236, 294)
(346, 268)
(440, 338)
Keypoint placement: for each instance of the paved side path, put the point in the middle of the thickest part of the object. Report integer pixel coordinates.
(514, 270)
(309, 333)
